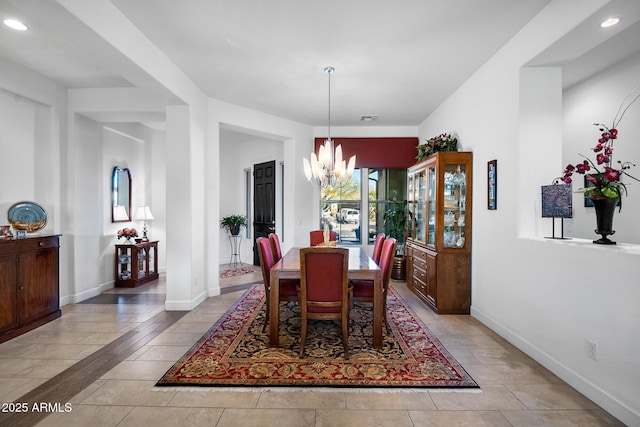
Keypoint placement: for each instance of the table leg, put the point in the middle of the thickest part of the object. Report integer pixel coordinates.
(274, 310)
(378, 307)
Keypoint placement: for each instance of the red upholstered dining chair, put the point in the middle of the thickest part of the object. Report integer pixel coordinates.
(377, 248)
(275, 246)
(325, 293)
(316, 237)
(363, 289)
(288, 291)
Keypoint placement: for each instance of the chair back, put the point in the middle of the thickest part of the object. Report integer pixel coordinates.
(267, 261)
(316, 237)
(377, 248)
(386, 260)
(324, 279)
(275, 246)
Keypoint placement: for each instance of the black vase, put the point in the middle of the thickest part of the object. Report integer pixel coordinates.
(605, 207)
(234, 230)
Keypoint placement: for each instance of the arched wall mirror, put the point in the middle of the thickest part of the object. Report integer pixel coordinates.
(121, 195)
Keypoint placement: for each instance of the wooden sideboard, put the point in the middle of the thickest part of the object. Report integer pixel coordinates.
(136, 264)
(439, 247)
(29, 284)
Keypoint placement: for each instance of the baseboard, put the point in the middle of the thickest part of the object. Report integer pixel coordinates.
(178, 305)
(601, 397)
(85, 295)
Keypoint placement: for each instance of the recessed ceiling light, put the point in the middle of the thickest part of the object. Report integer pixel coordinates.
(610, 22)
(15, 24)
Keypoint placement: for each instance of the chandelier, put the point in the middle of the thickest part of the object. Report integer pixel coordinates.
(328, 168)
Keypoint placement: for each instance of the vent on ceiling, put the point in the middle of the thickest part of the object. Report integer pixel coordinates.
(368, 118)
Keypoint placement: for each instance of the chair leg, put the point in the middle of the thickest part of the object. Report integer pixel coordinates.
(303, 334)
(384, 311)
(345, 336)
(266, 316)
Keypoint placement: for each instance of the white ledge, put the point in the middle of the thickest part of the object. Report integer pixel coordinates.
(627, 248)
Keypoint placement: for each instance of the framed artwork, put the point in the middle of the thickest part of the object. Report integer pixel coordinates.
(492, 185)
(557, 201)
(587, 201)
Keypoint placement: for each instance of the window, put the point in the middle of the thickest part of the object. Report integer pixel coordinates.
(387, 188)
(348, 213)
(340, 208)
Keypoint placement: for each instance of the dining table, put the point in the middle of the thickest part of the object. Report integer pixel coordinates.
(361, 267)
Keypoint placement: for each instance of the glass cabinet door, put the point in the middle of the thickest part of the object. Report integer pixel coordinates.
(431, 205)
(411, 205)
(455, 194)
(420, 197)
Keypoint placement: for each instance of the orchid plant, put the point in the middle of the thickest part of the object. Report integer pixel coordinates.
(605, 179)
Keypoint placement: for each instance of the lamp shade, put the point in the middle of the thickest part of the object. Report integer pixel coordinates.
(120, 213)
(143, 213)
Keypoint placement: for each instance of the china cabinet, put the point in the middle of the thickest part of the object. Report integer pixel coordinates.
(136, 264)
(29, 283)
(439, 224)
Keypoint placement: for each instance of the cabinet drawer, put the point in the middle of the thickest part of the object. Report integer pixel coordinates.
(420, 286)
(420, 275)
(419, 255)
(34, 243)
(7, 247)
(420, 263)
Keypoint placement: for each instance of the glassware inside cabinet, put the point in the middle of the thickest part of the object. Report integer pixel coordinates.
(455, 186)
(142, 257)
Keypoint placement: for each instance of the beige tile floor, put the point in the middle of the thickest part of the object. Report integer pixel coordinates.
(515, 390)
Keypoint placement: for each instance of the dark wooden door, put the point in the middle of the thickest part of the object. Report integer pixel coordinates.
(38, 284)
(8, 303)
(264, 203)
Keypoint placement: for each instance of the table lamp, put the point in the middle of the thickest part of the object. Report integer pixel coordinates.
(143, 213)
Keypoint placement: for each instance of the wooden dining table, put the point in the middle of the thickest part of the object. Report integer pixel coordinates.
(361, 266)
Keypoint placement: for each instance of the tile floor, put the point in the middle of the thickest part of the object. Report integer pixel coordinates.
(515, 390)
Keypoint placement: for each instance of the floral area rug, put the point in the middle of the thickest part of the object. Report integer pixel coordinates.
(232, 272)
(235, 351)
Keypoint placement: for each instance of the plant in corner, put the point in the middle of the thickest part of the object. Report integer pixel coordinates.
(605, 179)
(442, 142)
(232, 223)
(395, 219)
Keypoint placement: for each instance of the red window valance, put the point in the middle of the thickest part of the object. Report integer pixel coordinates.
(390, 153)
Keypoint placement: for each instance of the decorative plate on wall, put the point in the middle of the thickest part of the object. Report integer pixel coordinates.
(28, 216)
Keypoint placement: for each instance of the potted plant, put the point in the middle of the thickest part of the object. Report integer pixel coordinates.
(604, 177)
(395, 220)
(232, 223)
(442, 142)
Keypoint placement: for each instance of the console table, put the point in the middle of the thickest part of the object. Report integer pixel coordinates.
(29, 284)
(136, 264)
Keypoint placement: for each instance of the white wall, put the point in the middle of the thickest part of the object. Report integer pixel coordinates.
(298, 201)
(546, 297)
(32, 115)
(596, 100)
(86, 227)
(17, 145)
(239, 152)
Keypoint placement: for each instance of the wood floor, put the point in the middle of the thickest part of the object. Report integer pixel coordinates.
(97, 366)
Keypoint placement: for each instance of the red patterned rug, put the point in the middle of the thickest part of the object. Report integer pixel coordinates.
(235, 351)
(232, 272)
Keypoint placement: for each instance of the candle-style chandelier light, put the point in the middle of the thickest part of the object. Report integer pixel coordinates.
(328, 168)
